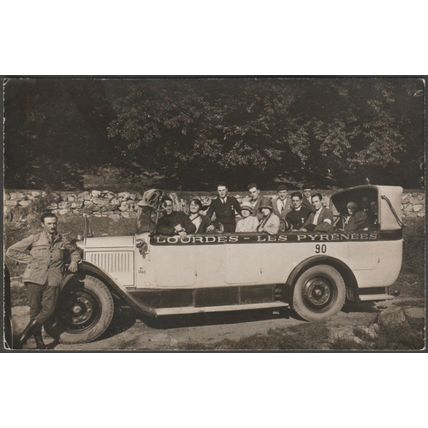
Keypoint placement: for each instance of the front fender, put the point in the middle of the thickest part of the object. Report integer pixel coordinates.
(116, 291)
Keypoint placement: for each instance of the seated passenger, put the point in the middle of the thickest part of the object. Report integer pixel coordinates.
(298, 215)
(255, 199)
(307, 198)
(269, 222)
(321, 220)
(372, 215)
(225, 208)
(248, 222)
(355, 220)
(365, 205)
(202, 222)
(174, 222)
(279, 203)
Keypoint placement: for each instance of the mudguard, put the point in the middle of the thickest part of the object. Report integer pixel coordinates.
(345, 271)
(115, 290)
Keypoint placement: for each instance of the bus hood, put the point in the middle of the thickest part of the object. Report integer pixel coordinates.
(107, 242)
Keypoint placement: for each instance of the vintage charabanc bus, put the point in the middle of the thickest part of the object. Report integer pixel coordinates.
(313, 273)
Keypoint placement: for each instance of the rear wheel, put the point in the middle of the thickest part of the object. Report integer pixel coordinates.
(319, 293)
(84, 311)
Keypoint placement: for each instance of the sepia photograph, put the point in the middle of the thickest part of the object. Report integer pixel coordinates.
(214, 214)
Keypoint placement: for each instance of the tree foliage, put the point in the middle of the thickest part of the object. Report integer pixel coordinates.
(196, 132)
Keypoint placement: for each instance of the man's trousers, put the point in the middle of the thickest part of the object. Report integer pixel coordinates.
(43, 299)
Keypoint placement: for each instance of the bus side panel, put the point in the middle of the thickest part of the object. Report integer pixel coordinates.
(279, 260)
(389, 256)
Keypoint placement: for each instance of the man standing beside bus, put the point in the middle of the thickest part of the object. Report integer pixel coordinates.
(45, 254)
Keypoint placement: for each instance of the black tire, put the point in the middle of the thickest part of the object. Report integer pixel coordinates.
(319, 292)
(84, 311)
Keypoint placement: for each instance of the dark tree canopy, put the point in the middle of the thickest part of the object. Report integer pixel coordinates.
(192, 133)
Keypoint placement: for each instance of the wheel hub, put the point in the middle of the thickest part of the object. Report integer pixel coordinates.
(318, 292)
(77, 309)
(80, 309)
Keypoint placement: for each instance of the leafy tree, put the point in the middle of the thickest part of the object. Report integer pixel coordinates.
(191, 133)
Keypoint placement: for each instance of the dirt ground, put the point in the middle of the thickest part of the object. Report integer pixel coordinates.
(355, 327)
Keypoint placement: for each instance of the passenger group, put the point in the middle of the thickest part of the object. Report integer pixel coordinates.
(306, 212)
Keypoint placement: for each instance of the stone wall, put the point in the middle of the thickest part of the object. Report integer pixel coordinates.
(19, 204)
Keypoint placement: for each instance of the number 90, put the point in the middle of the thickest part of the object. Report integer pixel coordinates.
(320, 248)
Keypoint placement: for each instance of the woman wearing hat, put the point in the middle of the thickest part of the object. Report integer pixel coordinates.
(269, 222)
(202, 222)
(355, 220)
(248, 222)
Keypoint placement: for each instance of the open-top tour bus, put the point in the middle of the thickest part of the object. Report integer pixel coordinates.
(314, 273)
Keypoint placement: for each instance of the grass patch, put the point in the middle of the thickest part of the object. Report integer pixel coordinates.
(402, 338)
(302, 337)
(346, 344)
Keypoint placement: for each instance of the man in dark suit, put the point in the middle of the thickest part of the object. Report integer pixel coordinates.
(174, 222)
(225, 209)
(321, 219)
(298, 215)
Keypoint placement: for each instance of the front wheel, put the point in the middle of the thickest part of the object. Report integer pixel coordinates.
(319, 293)
(84, 311)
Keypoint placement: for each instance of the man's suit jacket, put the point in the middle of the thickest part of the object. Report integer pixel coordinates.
(224, 212)
(256, 207)
(45, 259)
(307, 204)
(324, 222)
(166, 224)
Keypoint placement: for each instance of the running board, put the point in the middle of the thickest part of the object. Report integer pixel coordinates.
(226, 308)
(368, 297)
